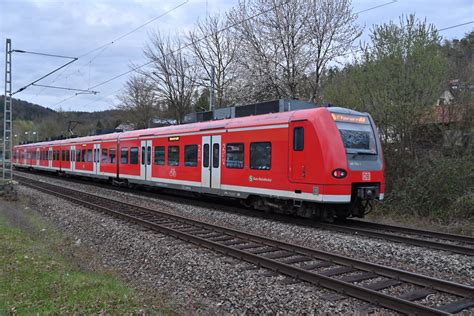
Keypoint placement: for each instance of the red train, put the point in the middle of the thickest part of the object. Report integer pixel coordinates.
(319, 163)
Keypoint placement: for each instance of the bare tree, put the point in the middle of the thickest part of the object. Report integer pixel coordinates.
(139, 101)
(332, 31)
(214, 45)
(173, 74)
(290, 42)
(272, 51)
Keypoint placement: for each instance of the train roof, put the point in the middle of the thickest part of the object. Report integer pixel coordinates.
(241, 122)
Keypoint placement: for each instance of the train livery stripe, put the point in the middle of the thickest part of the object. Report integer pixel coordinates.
(330, 198)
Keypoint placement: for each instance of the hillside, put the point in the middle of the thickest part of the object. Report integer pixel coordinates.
(24, 110)
(32, 119)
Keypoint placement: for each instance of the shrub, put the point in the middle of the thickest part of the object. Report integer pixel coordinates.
(437, 185)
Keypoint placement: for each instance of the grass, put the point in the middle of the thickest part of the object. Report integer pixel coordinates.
(36, 278)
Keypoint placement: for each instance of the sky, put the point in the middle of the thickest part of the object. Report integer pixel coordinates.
(74, 28)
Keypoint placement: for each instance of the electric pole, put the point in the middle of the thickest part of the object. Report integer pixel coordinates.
(7, 174)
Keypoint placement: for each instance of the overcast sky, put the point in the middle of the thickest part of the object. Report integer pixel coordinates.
(75, 27)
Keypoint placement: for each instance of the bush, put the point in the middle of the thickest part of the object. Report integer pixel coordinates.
(436, 185)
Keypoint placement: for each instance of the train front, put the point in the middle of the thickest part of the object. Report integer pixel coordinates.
(364, 167)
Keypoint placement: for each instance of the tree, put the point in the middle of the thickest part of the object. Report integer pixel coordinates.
(332, 31)
(172, 72)
(139, 101)
(398, 79)
(213, 45)
(291, 42)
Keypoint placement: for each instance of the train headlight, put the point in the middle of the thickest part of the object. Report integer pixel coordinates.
(339, 173)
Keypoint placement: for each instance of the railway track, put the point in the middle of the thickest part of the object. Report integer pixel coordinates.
(341, 274)
(459, 244)
(448, 242)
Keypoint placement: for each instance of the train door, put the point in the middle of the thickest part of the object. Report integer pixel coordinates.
(50, 157)
(37, 157)
(145, 163)
(301, 164)
(211, 162)
(73, 158)
(96, 159)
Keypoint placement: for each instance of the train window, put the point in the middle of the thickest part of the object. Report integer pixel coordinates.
(63, 155)
(357, 138)
(134, 155)
(160, 155)
(235, 155)
(112, 155)
(298, 138)
(105, 155)
(205, 161)
(191, 155)
(67, 155)
(261, 156)
(78, 155)
(84, 155)
(215, 155)
(148, 155)
(173, 155)
(124, 155)
(89, 155)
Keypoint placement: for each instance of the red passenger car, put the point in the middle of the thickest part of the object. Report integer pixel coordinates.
(321, 162)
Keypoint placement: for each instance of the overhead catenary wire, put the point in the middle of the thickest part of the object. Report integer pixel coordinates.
(190, 44)
(454, 26)
(224, 29)
(439, 30)
(64, 88)
(48, 74)
(201, 39)
(376, 7)
(103, 47)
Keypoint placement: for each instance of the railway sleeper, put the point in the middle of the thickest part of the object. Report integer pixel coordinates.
(280, 255)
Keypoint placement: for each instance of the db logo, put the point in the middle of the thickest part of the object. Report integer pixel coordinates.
(173, 173)
(365, 176)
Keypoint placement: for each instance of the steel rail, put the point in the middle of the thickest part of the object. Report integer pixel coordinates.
(398, 304)
(397, 238)
(409, 230)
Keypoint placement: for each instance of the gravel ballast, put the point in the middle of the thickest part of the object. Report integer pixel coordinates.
(191, 278)
(205, 281)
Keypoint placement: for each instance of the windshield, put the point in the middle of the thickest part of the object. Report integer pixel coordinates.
(357, 138)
